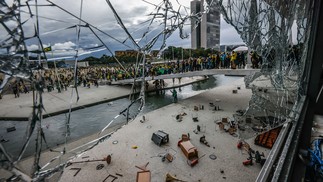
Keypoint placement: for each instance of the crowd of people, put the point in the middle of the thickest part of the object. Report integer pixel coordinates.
(61, 78)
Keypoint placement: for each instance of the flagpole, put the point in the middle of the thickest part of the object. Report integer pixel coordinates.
(59, 84)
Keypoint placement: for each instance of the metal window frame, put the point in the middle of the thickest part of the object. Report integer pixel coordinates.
(282, 162)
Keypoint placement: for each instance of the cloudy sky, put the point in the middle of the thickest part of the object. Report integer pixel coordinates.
(57, 25)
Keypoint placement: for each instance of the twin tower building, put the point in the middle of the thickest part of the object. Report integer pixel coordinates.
(206, 33)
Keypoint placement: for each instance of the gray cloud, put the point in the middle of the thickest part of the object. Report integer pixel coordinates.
(54, 25)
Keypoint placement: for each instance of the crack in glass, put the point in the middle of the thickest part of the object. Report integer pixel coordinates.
(17, 17)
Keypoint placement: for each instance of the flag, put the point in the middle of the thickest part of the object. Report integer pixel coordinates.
(47, 49)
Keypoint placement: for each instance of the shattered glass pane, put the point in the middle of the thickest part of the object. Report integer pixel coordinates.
(35, 23)
(268, 27)
(276, 33)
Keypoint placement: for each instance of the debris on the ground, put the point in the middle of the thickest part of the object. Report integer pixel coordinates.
(11, 129)
(107, 159)
(258, 158)
(203, 140)
(179, 118)
(134, 147)
(199, 128)
(115, 142)
(212, 156)
(160, 137)
(248, 161)
(144, 175)
(195, 116)
(234, 91)
(171, 178)
(3, 140)
(169, 157)
(195, 119)
(216, 108)
(189, 150)
(244, 145)
(196, 108)
(110, 176)
(118, 174)
(143, 119)
(77, 170)
(221, 125)
(100, 166)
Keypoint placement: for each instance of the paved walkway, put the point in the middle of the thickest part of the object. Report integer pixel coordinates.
(56, 103)
(133, 145)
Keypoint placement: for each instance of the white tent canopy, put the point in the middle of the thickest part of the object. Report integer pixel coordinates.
(241, 48)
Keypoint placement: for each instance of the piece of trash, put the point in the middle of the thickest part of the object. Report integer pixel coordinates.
(3, 140)
(171, 178)
(100, 166)
(118, 174)
(11, 129)
(115, 142)
(196, 108)
(195, 119)
(179, 118)
(221, 171)
(77, 171)
(203, 140)
(189, 150)
(85, 157)
(212, 156)
(144, 175)
(238, 88)
(106, 159)
(234, 91)
(221, 125)
(169, 157)
(134, 147)
(160, 137)
(143, 119)
(110, 176)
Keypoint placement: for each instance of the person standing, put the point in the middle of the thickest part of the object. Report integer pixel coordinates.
(233, 60)
(174, 93)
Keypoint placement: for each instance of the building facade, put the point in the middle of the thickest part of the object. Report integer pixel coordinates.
(206, 33)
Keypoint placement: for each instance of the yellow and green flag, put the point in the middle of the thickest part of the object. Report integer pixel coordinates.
(47, 49)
